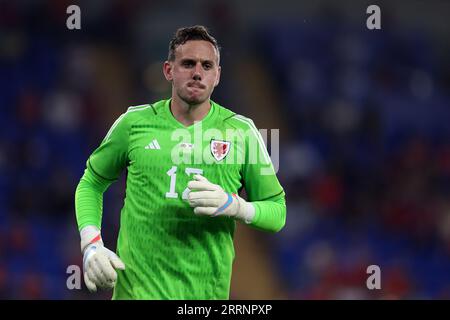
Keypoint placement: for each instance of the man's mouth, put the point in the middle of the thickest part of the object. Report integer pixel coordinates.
(196, 85)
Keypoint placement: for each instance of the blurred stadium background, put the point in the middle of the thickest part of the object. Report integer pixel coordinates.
(364, 136)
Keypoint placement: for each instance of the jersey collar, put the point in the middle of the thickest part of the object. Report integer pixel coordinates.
(178, 124)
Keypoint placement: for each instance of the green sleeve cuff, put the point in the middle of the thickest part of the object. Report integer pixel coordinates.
(270, 215)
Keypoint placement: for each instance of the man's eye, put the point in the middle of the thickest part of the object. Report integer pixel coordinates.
(188, 64)
(207, 66)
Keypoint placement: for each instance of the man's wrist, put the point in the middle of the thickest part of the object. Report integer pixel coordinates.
(246, 211)
(89, 235)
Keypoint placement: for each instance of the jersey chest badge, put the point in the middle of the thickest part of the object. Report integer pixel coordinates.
(220, 149)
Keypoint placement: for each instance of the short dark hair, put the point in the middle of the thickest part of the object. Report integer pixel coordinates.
(182, 35)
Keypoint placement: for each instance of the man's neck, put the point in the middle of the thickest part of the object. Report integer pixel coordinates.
(188, 114)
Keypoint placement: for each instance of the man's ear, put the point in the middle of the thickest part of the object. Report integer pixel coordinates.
(167, 70)
(218, 77)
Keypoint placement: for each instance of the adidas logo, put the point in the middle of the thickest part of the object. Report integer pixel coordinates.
(153, 145)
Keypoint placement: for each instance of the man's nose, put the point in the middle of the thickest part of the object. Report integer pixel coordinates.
(197, 75)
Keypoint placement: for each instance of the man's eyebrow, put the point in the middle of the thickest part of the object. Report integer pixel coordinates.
(193, 60)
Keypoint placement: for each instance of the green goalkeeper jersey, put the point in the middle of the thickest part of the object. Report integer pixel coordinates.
(169, 252)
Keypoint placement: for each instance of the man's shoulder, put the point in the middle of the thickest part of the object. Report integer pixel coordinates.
(234, 119)
(143, 112)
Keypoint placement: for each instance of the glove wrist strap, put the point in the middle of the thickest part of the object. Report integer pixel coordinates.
(246, 211)
(90, 235)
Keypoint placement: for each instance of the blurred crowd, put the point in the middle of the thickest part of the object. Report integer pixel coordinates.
(364, 139)
(367, 172)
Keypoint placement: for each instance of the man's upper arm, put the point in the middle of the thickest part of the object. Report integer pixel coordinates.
(111, 157)
(260, 180)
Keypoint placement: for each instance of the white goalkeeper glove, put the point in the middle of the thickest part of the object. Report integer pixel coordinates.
(210, 199)
(99, 263)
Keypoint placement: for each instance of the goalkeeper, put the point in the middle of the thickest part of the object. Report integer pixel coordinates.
(179, 216)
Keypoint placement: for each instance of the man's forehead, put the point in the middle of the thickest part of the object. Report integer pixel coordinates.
(196, 49)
